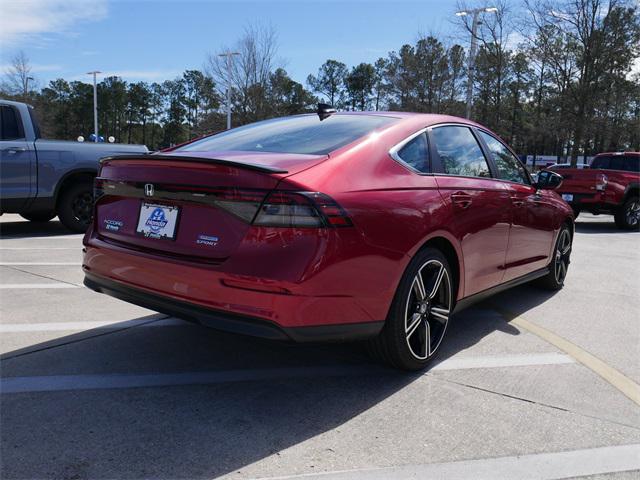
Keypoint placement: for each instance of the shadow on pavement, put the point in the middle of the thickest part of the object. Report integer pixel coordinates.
(33, 229)
(604, 225)
(519, 300)
(194, 431)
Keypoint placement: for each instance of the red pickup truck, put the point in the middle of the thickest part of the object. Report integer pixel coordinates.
(610, 186)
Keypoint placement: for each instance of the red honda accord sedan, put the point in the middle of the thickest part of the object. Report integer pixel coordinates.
(328, 227)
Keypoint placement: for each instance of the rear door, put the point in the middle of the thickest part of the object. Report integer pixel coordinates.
(17, 160)
(532, 215)
(480, 204)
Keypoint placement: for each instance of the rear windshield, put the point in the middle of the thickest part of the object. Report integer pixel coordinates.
(305, 134)
(629, 163)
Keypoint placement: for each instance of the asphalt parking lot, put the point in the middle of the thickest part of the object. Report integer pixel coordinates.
(528, 385)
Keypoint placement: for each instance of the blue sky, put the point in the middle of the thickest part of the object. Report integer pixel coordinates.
(154, 40)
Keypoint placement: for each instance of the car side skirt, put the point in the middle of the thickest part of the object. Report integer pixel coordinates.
(230, 322)
(477, 297)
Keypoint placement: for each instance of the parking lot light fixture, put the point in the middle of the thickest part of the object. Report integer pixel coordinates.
(472, 52)
(229, 55)
(95, 104)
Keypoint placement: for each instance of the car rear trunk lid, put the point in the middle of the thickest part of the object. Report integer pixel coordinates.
(198, 206)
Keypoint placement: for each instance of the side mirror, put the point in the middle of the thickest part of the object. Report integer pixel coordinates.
(548, 180)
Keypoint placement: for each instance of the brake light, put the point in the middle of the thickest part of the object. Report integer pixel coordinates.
(301, 209)
(601, 181)
(98, 188)
(242, 203)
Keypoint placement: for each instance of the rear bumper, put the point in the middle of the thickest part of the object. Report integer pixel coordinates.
(597, 201)
(230, 322)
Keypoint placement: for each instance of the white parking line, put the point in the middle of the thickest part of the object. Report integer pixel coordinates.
(29, 286)
(39, 248)
(42, 238)
(541, 466)
(54, 383)
(39, 264)
(497, 361)
(81, 326)
(616, 378)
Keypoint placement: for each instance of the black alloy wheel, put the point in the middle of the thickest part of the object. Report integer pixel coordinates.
(419, 314)
(628, 217)
(75, 207)
(559, 265)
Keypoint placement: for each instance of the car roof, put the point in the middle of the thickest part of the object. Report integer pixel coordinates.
(635, 154)
(425, 118)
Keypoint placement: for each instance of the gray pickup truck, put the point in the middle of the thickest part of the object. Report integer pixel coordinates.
(40, 178)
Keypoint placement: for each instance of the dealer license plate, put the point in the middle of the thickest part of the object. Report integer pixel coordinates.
(158, 221)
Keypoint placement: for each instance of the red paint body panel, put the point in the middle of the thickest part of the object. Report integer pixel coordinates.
(321, 276)
(536, 218)
(480, 212)
(582, 184)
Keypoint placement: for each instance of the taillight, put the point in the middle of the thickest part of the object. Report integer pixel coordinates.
(98, 188)
(301, 209)
(601, 181)
(242, 203)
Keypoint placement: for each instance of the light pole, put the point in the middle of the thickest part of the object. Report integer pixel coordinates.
(472, 52)
(229, 56)
(26, 86)
(95, 104)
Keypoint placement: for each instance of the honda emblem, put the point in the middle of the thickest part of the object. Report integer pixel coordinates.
(148, 189)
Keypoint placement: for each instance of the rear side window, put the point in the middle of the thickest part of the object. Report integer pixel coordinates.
(509, 168)
(9, 124)
(416, 153)
(632, 163)
(459, 152)
(305, 134)
(628, 163)
(601, 162)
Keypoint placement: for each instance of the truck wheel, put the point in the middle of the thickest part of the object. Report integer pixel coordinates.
(628, 216)
(39, 217)
(75, 207)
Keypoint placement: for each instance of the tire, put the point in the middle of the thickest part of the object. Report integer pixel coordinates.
(628, 215)
(559, 265)
(38, 217)
(420, 310)
(75, 207)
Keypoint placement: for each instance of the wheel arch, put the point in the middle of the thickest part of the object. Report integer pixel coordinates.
(447, 244)
(632, 189)
(572, 226)
(70, 178)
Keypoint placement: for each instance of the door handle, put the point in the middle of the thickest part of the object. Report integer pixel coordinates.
(14, 150)
(517, 201)
(461, 199)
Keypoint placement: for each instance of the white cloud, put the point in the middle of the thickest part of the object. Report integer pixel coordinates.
(34, 19)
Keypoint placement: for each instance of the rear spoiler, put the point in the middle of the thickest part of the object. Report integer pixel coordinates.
(216, 161)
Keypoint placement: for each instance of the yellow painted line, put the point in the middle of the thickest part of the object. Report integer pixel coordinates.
(620, 381)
